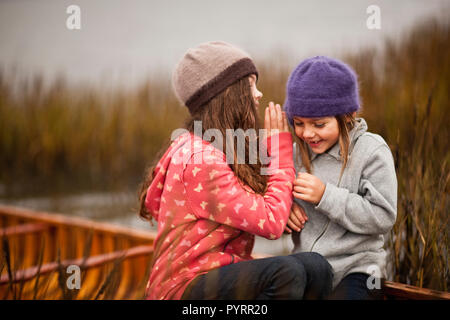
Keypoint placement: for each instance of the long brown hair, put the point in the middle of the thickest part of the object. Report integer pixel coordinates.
(233, 108)
(346, 122)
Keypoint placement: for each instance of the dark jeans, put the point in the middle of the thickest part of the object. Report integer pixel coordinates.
(354, 287)
(305, 275)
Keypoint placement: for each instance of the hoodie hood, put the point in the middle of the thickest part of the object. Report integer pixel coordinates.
(173, 154)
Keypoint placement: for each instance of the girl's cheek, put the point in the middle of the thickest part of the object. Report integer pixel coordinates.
(299, 133)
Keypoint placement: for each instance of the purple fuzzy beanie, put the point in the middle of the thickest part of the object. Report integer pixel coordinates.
(321, 87)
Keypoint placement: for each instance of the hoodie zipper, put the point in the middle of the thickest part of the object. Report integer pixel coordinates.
(320, 235)
(326, 226)
(328, 222)
(352, 145)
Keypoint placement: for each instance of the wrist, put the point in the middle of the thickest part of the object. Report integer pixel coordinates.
(320, 193)
(279, 149)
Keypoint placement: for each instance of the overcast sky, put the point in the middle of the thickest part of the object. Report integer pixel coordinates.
(126, 41)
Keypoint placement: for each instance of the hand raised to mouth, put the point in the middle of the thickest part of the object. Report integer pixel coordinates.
(275, 120)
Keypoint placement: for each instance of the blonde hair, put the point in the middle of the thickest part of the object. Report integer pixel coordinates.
(346, 122)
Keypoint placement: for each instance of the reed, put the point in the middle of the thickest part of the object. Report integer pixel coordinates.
(111, 282)
(40, 260)
(6, 260)
(62, 137)
(55, 134)
(405, 99)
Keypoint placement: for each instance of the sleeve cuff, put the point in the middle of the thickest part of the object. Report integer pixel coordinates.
(279, 148)
(333, 201)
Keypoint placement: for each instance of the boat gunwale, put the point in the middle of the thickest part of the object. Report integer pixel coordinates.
(57, 219)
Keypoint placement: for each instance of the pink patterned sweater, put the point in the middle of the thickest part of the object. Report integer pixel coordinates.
(206, 217)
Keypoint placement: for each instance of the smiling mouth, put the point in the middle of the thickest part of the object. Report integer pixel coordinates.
(315, 143)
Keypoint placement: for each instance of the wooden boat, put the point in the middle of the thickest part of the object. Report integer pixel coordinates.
(38, 247)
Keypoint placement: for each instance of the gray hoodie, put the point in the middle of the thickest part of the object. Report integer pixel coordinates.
(349, 224)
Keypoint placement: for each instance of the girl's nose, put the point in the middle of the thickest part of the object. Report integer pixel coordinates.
(258, 94)
(308, 133)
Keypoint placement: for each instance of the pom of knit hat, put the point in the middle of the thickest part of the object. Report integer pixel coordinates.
(207, 70)
(321, 87)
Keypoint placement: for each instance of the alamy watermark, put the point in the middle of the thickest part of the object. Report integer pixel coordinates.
(257, 148)
(374, 280)
(74, 280)
(73, 21)
(374, 20)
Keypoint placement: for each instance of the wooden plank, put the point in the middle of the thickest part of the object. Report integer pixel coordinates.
(59, 219)
(91, 262)
(405, 291)
(23, 229)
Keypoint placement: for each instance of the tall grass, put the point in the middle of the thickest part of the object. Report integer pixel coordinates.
(406, 100)
(50, 136)
(67, 136)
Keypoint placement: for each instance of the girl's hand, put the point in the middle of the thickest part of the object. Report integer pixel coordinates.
(308, 188)
(297, 218)
(275, 120)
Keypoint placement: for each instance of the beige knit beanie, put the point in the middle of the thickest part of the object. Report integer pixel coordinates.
(207, 70)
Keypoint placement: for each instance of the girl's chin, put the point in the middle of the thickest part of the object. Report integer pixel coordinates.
(319, 148)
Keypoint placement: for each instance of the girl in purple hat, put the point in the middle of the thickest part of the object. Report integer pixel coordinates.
(346, 185)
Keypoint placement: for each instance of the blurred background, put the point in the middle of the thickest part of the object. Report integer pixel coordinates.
(84, 111)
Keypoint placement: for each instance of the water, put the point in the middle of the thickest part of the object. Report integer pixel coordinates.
(118, 208)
